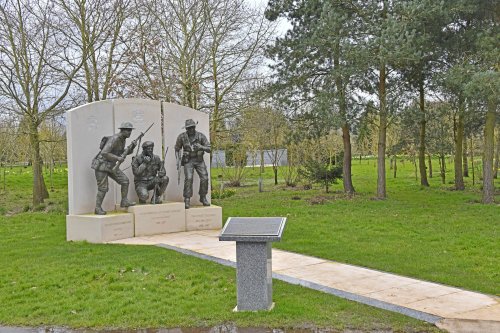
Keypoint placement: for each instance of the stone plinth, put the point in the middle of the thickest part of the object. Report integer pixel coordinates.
(203, 218)
(254, 276)
(99, 228)
(159, 219)
(253, 236)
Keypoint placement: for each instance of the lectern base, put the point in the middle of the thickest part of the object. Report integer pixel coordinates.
(236, 309)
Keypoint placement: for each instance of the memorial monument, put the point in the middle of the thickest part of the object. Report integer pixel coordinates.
(86, 126)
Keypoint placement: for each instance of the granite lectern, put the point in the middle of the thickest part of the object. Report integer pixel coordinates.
(253, 236)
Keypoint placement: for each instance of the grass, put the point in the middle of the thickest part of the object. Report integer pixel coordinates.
(430, 233)
(434, 234)
(48, 281)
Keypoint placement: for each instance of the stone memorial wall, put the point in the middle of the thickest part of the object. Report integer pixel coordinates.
(86, 125)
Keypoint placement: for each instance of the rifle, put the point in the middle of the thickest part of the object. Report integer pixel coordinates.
(130, 147)
(179, 161)
(179, 157)
(156, 185)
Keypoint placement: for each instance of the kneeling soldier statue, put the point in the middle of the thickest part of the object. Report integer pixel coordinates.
(149, 174)
(193, 145)
(106, 164)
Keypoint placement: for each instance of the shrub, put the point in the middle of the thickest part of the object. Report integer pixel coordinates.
(321, 172)
(225, 193)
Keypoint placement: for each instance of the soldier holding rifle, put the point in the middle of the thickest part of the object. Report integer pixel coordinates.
(107, 162)
(189, 149)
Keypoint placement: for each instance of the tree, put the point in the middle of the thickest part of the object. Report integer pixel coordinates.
(52, 144)
(316, 62)
(202, 54)
(420, 57)
(37, 67)
(8, 144)
(237, 37)
(265, 129)
(95, 28)
(472, 59)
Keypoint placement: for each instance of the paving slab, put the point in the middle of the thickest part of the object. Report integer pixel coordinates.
(450, 308)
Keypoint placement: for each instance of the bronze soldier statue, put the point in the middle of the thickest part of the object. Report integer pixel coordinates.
(149, 174)
(112, 154)
(193, 145)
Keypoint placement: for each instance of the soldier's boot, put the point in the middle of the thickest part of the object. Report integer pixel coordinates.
(125, 202)
(156, 200)
(203, 192)
(204, 201)
(98, 203)
(186, 203)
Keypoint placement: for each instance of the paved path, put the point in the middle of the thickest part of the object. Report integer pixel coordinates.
(453, 309)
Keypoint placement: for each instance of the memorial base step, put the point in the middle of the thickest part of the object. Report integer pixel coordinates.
(158, 219)
(99, 228)
(203, 218)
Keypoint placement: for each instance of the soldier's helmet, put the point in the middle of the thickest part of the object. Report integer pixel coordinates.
(148, 144)
(126, 125)
(190, 123)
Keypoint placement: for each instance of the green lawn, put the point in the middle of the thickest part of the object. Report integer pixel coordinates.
(47, 281)
(434, 234)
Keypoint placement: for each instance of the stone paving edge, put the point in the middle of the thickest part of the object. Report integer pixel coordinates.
(433, 319)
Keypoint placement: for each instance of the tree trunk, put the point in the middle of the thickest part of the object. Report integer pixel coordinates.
(429, 158)
(472, 162)
(459, 134)
(465, 161)
(395, 166)
(275, 170)
(262, 168)
(497, 157)
(382, 136)
(489, 150)
(4, 181)
(347, 178)
(416, 167)
(346, 136)
(39, 189)
(442, 166)
(421, 149)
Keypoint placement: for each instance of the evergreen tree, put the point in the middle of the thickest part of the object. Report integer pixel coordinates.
(318, 61)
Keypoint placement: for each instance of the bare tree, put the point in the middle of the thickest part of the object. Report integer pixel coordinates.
(36, 70)
(96, 29)
(238, 35)
(201, 54)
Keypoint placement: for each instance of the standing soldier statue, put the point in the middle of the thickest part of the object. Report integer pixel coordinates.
(149, 174)
(193, 145)
(106, 164)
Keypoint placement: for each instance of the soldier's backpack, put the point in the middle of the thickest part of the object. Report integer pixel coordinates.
(96, 163)
(103, 142)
